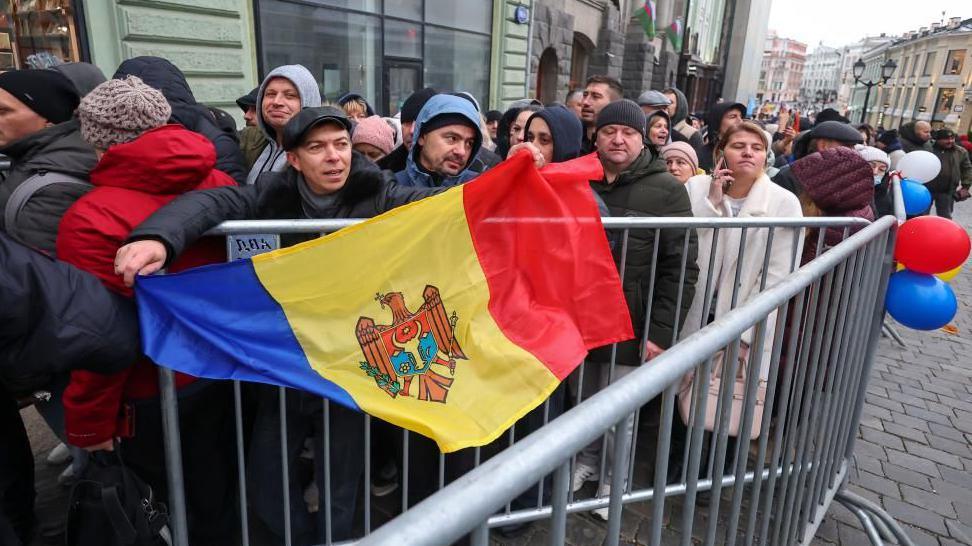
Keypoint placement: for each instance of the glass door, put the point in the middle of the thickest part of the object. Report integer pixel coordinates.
(400, 79)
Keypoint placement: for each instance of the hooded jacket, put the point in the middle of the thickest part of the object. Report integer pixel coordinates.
(131, 181)
(84, 76)
(167, 78)
(647, 189)
(909, 139)
(713, 121)
(566, 130)
(60, 149)
(55, 318)
(273, 158)
(414, 174)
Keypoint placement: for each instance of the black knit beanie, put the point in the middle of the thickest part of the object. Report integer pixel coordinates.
(47, 92)
(622, 112)
(414, 103)
(448, 118)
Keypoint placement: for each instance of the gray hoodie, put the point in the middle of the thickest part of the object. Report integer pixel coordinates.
(273, 158)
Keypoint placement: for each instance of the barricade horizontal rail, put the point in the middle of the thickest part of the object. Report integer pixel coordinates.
(817, 326)
(471, 500)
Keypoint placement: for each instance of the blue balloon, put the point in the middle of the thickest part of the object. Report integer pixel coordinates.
(920, 301)
(917, 198)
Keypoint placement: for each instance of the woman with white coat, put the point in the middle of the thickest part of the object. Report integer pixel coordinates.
(740, 188)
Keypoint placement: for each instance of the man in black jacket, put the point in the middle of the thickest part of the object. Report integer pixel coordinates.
(324, 179)
(41, 139)
(53, 318)
(395, 161)
(637, 183)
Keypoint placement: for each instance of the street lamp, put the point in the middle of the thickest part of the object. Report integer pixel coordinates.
(887, 69)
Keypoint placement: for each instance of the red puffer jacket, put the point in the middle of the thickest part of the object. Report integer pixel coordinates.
(132, 181)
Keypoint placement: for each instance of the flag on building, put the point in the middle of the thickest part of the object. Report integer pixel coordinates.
(674, 33)
(646, 15)
(452, 316)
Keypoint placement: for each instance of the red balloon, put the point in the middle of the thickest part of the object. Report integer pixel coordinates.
(931, 244)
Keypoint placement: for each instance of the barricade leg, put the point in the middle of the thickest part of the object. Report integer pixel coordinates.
(173, 458)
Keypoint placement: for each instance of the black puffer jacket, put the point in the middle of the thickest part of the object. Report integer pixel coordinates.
(368, 192)
(55, 318)
(58, 148)
(167, 78)
(713, 121)
(647, 189)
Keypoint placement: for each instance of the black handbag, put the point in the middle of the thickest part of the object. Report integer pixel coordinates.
(111, 506)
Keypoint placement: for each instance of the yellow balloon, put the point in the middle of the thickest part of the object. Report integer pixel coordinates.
(949, 275)
(900, 267)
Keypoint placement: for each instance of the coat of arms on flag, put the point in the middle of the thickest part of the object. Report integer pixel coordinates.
(408, 348)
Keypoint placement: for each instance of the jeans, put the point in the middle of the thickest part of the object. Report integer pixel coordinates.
(596, 377)
(305, 419)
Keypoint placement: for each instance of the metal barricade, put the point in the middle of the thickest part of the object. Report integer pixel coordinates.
(814, 331)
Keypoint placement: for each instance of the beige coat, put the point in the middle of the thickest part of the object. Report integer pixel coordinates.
(765, 199)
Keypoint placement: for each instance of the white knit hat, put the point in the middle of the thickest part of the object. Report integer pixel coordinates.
(870, 153)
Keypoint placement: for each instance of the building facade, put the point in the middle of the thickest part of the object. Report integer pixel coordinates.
(498, 50)
(821, 79)
(933, 81)
(781, 70)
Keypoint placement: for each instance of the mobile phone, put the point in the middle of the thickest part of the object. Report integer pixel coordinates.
(721, 165)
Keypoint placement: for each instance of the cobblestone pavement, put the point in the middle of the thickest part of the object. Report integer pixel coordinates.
(913, 453)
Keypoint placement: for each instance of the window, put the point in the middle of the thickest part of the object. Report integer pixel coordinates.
(919, 102)
(907, 101)
(474, 16)
(929, 64)
(914, 65)
(457, 60)
(408, 9)
(943, 104)
(38, 34)
(954, 62)
(341, 49)
(382, 49)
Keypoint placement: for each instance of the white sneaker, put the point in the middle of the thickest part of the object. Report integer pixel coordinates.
(59, 455)
(583, 473)
(604, 491)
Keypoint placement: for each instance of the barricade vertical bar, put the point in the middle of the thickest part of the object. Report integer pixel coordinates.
(721, 436)
(173, 457)
(284, 463)
(697, 429)
(367, 474)
(622, 444)
(241, 463)
(786, 392)
(480, 535)
(404, 469)
(558, 501)
(771, 391)
(328, 513)
(661, 463)
(441, 470)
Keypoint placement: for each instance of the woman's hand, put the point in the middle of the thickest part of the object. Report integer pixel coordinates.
(538, 159)
(720, 178)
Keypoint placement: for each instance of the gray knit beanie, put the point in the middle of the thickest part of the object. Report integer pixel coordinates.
(622, 112)
(118, 111)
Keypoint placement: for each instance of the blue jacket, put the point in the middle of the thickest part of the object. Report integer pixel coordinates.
(413, 174)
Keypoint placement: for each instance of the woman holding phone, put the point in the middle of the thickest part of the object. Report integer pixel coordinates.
(740, 188)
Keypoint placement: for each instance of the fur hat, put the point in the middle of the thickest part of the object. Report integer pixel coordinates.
(118, 111)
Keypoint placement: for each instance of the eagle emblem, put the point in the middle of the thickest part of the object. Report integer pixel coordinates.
(416, 345)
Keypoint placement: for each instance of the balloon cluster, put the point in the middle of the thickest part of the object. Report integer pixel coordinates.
(930, 251)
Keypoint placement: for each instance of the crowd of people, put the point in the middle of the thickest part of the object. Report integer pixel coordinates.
(124, 176)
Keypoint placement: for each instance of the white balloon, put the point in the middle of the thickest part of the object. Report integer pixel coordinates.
(919, 165)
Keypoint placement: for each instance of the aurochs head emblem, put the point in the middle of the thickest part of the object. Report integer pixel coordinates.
(420, 344)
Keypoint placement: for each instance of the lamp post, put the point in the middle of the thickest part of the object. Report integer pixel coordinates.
(887, 69)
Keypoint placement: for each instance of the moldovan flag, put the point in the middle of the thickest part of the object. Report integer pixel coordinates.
(452, 316)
